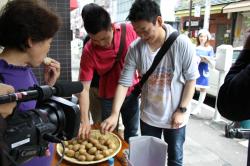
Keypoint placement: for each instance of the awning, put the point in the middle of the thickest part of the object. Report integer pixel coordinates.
(240, 6)
(73, 4)
(214, 9)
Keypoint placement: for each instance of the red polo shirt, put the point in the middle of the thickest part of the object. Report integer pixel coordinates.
(102, 59)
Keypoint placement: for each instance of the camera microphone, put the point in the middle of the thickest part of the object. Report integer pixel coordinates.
(44, 92)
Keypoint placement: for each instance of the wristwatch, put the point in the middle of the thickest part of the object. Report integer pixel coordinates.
(182, 109)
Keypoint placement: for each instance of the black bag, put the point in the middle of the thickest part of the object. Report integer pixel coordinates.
(166, 45)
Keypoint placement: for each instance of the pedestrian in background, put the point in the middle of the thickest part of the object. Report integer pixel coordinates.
(233, 98)
(205, 55)
(169, 89)
(101, 54)
(26, 31)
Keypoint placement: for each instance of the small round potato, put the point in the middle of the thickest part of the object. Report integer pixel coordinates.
(82, 158)
(99, 157)
(92, 150)
(111, 151)
(103, 147)
(106, 152)
(71, 153)
(108, 142)
(85, 142)
(82, 146)
(90, 157)
(74, 142)
(77, 154)
(66, 143)
(76, 147)
(112, 146)
(70, 147)
(88, 145)
(82, 151)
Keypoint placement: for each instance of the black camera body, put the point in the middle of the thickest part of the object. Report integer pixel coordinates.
(28, 133)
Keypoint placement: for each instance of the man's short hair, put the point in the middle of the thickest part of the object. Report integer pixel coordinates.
(95, 18)
(147, 10)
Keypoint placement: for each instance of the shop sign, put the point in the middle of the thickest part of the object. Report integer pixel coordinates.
(193, 23)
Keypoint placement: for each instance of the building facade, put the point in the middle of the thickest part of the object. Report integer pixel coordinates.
(228, 21)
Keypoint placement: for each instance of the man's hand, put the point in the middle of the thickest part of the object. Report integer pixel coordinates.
(109, 124)
(177, 119)
(51, 72)
(6, 109)
(84, 129)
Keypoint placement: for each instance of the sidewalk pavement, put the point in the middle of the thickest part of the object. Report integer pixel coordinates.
(206, 144)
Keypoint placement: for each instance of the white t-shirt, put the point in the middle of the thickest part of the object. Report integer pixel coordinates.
(161, 94)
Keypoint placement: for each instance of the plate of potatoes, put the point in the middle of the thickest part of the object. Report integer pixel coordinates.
(97, 148)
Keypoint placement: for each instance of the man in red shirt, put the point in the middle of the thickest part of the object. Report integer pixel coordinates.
(100, 54)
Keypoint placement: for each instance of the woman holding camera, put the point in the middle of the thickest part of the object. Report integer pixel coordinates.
(26, 31)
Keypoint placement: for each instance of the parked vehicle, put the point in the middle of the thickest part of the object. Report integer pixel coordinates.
(214, 74)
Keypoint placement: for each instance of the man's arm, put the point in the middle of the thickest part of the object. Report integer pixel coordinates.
(84, 108)
(110, 123)
(187, 95)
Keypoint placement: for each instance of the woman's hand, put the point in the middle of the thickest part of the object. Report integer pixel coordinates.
(6, 109)
(203, 59)
(52, 72)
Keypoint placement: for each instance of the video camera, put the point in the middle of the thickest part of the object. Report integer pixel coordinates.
(54, 119)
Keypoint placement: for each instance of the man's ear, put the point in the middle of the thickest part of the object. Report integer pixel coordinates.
(159, 20)
(29, 43)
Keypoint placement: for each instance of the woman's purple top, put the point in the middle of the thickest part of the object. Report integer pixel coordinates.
(22, 78)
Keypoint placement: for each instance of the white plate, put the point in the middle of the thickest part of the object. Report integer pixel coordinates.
(112, 136)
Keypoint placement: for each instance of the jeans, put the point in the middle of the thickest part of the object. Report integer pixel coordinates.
(175, 139)
(129, 112)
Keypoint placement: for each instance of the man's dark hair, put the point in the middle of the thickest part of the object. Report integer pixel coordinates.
(24, 19)
(95, 18)
(147, 10)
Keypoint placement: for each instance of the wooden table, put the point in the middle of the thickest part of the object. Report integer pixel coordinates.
(119, 158)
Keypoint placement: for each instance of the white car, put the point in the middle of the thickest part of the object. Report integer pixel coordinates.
(214, 74)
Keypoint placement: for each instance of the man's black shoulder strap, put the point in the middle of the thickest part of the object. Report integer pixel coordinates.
(122, 42)
(121, 47)
(166, 45)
